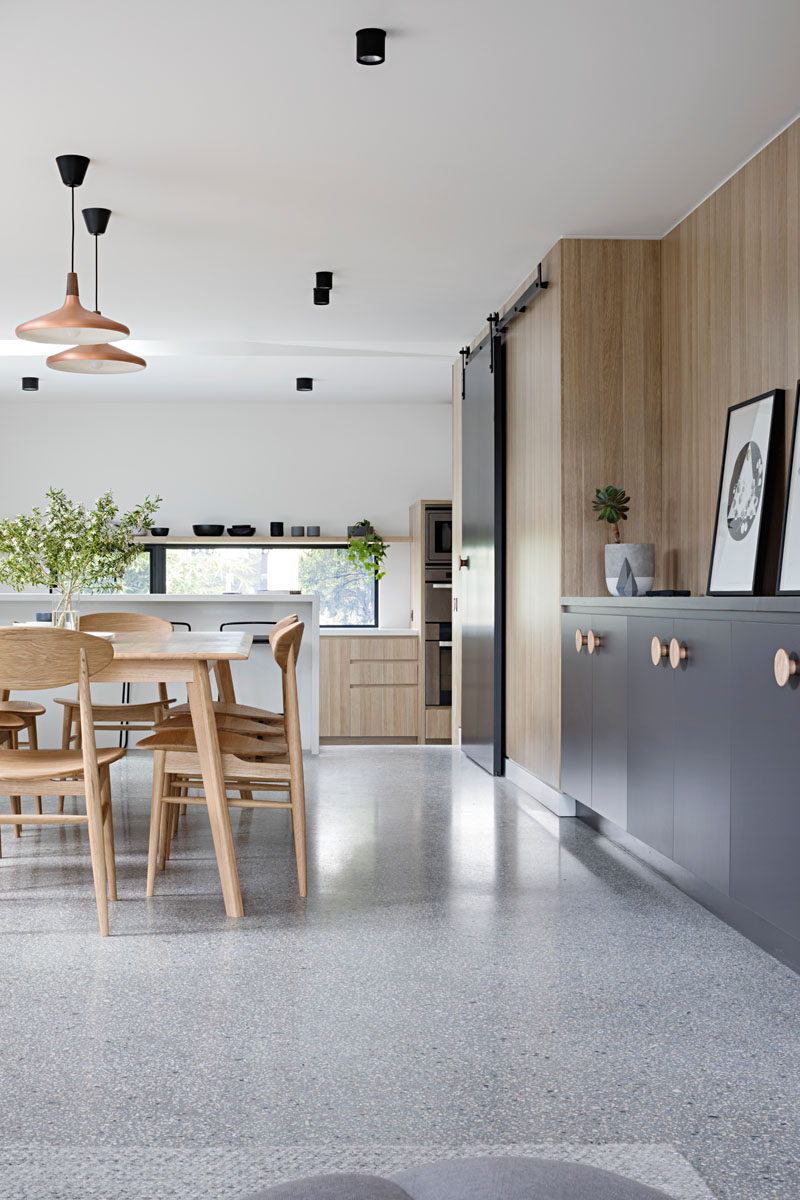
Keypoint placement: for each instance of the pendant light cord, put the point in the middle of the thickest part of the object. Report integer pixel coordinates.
(96, 305)
(72, 243)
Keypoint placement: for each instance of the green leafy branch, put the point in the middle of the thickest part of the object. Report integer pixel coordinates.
(71, 547)
(611, 504)
(368, 552)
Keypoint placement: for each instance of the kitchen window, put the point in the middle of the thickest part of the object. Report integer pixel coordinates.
(347, 595)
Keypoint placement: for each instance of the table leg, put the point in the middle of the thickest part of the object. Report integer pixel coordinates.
(222, 670)
(205, 728)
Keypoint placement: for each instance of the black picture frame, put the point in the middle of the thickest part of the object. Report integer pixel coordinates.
(790, 473)
(752, 583)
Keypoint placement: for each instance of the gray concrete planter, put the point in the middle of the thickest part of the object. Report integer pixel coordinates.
(630, 568)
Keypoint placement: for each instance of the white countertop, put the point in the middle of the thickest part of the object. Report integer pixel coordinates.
(365, 631)
(149, 597)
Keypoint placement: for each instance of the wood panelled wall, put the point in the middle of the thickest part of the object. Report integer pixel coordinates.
(611, 398)
(730, 330)
(533, 531)
(584, 410)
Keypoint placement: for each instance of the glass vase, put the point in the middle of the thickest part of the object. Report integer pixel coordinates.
(66, 611)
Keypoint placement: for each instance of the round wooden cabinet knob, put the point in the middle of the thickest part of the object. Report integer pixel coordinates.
(658, 651)
(785, 667)
(581, 640)
(677, 654)
(593, 641)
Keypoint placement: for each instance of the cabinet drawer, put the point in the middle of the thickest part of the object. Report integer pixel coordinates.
(383, 711)
(389, 671)
(385, 647)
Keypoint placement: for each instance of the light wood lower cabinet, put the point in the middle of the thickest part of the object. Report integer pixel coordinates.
(369, 687)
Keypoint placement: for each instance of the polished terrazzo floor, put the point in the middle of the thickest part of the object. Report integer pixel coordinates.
(466, 971)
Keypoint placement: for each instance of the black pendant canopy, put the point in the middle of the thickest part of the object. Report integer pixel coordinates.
(30, 383)
(305, 383)
(371, 47)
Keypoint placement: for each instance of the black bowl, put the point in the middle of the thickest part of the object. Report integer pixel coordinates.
(208, 530)
(242, 530)
(159, 531)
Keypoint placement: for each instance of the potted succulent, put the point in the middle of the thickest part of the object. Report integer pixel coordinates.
(629, 566)
(70, 548)
(366, 549)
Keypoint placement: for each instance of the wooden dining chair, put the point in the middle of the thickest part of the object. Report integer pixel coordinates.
(228, 707)
(35, 659)
(27, 711)
(250, 763)
(124, 717)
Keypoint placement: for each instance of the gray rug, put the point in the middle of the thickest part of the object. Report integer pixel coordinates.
(41, 1171)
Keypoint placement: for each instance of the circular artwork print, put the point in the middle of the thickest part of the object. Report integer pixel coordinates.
(744, 493)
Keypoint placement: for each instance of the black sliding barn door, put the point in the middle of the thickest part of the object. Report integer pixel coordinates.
(483, 574)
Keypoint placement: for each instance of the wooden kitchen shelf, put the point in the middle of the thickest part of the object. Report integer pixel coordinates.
(190, 539)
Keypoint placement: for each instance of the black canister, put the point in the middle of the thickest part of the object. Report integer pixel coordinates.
(276, 529)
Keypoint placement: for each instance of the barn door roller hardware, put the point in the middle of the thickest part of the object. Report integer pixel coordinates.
(498, 324)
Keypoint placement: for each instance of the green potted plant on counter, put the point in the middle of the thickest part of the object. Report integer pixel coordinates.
(629, 566)
(366, 549)
(70, 548)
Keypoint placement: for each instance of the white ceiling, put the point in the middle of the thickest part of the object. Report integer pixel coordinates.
(241, 148)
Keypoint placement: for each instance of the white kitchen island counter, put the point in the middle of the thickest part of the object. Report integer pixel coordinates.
(257, 681)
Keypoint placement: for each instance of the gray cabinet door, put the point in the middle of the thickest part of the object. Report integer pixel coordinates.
(765, 783)
(651, 695)
(702, 742)
(576, 712)
(609, 720)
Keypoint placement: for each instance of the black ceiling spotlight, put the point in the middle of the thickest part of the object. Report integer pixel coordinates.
(30, 383)
(370, 47)
(322, 295)
(325, 279)
(305, 383)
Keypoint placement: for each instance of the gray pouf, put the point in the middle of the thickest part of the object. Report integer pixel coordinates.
(519, 1179)
(472, 1179)
(335, 1187)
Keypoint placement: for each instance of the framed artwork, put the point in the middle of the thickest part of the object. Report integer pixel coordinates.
(789, 567)
(743, 501)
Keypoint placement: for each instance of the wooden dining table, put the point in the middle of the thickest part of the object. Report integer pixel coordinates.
(189, 658)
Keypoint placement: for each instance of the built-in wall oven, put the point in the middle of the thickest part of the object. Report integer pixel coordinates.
(439, 536)
(438, 636)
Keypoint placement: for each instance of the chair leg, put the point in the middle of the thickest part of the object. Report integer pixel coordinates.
(16, 807)
(94, 812)
(299, 827)
(156, 807)
(33, 744)
(163, 836)
(108, 832)
(66, 739)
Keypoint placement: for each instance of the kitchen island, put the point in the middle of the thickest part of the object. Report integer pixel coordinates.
(257, 681)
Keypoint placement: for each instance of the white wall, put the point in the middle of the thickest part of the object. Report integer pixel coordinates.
(303, 464)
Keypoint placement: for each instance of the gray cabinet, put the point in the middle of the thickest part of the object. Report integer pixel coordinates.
(576, 712)
(594, 701)
(765, 787)
(609, 727)
(698, 757)
(702, 750)
(651, 749)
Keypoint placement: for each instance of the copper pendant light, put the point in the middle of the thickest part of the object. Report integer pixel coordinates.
(96, 358)
(72, 322)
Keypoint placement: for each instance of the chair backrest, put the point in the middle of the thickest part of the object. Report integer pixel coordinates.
(125, 622)
(285, 648)
(32, 659)
(279, 627)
